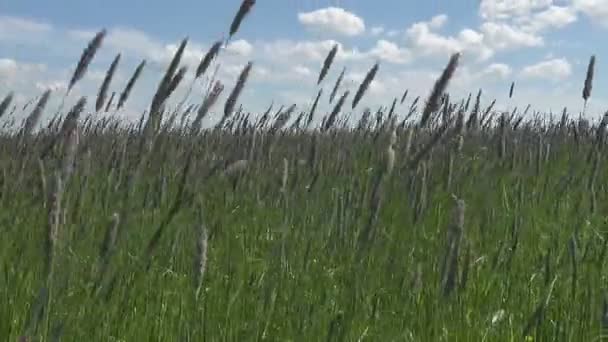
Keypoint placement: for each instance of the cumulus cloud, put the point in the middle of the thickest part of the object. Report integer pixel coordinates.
(424, 41)
(19, 29)
(498, 70)
(505, 9)
(390, 52)
(333, 20)
(503, 36)
(240, 47)
(554, 17)
(376, 30)
(595, 9)
(553, 69)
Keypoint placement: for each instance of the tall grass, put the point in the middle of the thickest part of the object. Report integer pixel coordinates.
(448, 223)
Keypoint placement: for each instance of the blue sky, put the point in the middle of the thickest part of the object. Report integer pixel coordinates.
(542, 45)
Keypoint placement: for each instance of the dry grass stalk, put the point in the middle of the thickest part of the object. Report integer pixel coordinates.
(105, 85)
(473, 122)
(454, 238)
(245, 8)
(236, 92)
(285, 176)
(337, 86)
(200, 259)
(327, 63)
(390, 153)
(208, 58)
(367, 81)
(86, 58)
(433, 103)
(6, 102)
(70, 149)
(124, 96)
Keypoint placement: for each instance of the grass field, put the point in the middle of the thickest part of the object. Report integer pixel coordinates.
(427, 220)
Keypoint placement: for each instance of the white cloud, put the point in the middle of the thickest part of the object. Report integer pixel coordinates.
(390, 52)
(240, 47)
(286, 51)
(553, 69)
(595, 9)
(438, 21)
(302, 71)
(376, 30)
(498, 70)
(505, 9)
(553, 17)
(425, 42)
(15, 28)
(334, 20)
(503, 36)
(8, 68)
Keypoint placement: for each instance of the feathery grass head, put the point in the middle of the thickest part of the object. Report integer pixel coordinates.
(327, 63)
(105, 85)
(71, 119)
(314, 108)
(208, 58)
(433, 103)
(404, 96)
(86, 58)
(176, 80)
(110, 102)
(6, 102)
(589, 79)
(238, 88)
(208, 102)
(331, 119)
(124, 96)
(337, 86)
(34, 117)
(511, 89)
(367, 81)
(245, 8)
(162, 93)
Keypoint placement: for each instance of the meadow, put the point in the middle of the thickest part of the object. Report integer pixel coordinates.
(431, 219)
